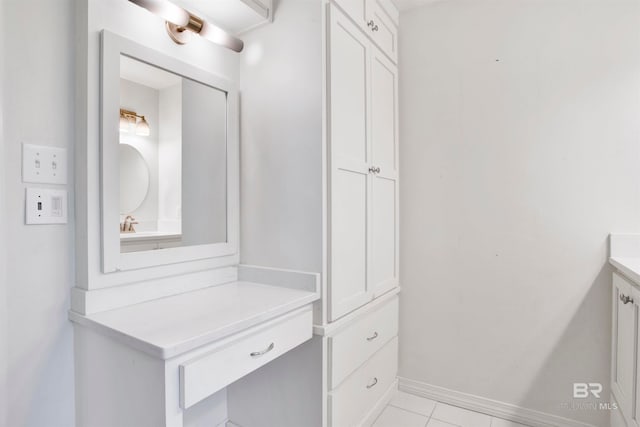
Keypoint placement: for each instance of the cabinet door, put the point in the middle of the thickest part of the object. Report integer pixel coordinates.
(355, 9)
(384, 195)
(349, 156)
(625, 335)
(382, 29)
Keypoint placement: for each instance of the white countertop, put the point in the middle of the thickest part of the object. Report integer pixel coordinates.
(625, 254)
(168, 327)
(629, 266)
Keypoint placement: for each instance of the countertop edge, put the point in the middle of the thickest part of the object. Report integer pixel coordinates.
(622, 265)
(180, 348)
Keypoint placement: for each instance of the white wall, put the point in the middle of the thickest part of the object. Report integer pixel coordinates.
(281, 131)
(38, 84)
(4, 319)
(204, 161)
(281, 196)
(170, 159)
(520, 154)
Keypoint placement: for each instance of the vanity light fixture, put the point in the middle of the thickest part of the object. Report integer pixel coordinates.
(181, 24)
(130, 118)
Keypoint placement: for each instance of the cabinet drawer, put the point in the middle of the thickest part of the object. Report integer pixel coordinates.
(203, 376)
(349, 403)
(352, 346)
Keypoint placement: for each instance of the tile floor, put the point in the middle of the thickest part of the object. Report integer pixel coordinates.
(407, 410)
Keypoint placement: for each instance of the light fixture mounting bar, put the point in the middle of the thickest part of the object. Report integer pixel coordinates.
(132, 114)
(181, 23)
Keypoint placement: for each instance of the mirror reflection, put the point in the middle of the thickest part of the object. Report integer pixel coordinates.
(173, 160)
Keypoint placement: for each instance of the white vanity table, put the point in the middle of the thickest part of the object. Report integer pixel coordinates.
(143, 365)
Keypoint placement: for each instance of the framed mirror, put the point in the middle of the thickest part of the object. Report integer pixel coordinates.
(169, 151)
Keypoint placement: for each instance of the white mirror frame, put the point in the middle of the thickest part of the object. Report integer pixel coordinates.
(112, 260)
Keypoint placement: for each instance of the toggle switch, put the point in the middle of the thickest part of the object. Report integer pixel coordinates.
(44, 164)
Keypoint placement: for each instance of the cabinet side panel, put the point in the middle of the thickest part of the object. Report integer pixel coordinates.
(115, 385)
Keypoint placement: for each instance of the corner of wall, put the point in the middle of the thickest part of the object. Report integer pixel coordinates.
(3, 280)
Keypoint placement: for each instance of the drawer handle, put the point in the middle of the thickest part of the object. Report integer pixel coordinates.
(263, 352)
(375, 381)
(372, 337)
(626, 299)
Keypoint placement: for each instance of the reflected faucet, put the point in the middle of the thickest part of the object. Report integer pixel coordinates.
(127, 225)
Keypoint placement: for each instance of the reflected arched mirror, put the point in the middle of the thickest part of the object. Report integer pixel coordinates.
(134, 179)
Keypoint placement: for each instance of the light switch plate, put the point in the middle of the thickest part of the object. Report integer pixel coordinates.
(44, 164)
(46, 206)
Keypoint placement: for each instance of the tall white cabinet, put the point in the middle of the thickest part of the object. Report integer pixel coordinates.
(359, 326)
(363, 171)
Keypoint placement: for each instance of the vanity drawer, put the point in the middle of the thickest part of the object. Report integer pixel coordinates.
(351, 347)
(203, 376)
(350, 403)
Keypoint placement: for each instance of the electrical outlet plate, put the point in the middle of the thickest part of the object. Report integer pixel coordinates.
(46, 206)
(44, 164)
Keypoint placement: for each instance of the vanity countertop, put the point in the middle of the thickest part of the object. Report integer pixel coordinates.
(629, 266)
(167, 327)
(625, 254)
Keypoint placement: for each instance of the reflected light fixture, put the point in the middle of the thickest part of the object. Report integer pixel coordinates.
(181, 24)
(129, 118)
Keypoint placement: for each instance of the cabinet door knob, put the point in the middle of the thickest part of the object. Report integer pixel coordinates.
(371, 24)
(263, 352)
(372, 337)
(374, 169)
(626, 299)
(375, 381)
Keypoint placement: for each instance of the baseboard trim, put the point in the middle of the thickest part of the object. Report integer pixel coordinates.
(494, 408)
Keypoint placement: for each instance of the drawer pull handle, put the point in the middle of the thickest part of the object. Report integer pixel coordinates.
(372, 337)
(626, 299)
(375, 381)
(263, 352)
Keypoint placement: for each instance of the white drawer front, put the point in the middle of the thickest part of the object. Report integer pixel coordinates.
(351, 347)
(203, 376)
(350, 402)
